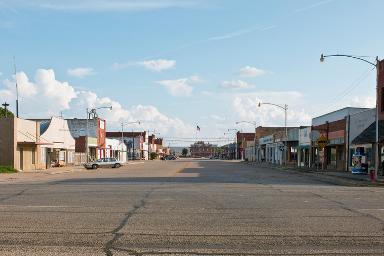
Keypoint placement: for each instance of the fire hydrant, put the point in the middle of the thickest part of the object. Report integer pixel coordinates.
(372, 175)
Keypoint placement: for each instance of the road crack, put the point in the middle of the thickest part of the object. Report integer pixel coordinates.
(109, 246)
(13, 195)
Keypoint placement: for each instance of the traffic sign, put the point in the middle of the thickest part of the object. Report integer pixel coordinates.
(322, 141)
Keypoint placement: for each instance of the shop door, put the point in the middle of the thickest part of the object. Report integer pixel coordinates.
(340, 162)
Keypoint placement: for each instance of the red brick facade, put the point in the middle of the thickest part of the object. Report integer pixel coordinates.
(380, 88)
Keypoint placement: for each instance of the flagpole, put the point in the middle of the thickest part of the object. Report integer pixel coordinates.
(196, 132)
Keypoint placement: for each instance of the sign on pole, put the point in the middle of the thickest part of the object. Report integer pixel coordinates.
(322, 141)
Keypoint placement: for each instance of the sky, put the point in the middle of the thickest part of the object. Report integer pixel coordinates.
(176, 65)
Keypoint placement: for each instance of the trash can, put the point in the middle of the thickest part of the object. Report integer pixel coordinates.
(372, 175)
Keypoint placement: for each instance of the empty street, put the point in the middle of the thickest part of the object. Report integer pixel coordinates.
(187, 207)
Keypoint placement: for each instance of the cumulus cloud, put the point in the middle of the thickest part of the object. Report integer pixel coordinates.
(80, 72)
(236, 84)
(182, 87)
(46, 96)
(249, 71)
(246, 107)
(158, 65)
(152, 65)
(25, 87)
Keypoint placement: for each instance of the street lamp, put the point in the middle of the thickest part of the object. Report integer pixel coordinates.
(254, 139)
(376, 65)
(94, 113)
(285, 108)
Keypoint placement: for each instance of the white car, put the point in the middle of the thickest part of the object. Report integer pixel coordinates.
(103, 162)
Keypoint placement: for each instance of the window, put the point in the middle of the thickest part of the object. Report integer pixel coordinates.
(43, 155)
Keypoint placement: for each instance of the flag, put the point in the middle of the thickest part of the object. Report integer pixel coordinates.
(198, 128)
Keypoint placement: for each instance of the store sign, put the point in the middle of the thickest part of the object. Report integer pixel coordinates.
(266, 140)
(92, 142)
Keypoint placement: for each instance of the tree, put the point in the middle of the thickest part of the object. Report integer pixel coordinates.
(184, 152)
(153, 155)
(2, 113)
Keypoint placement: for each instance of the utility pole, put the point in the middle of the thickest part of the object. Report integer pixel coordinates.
(5, 105)
(86, 139)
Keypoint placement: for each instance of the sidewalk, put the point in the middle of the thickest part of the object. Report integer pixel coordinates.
(348, 177)
(57, 170)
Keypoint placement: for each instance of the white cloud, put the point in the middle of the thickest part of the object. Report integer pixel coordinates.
(246, 107)
(43, 95)
(249, 71)
(363, 102)
(157, 65)
(81, 72)
(153, 65)
(104, 5)
(236, 84)
(180, 87)
(25, 87)
(47, 96)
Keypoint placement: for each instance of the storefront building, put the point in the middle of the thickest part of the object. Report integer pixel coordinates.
(334, 127)
(304, 147)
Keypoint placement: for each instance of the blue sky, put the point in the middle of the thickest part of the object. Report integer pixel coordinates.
(176, 64)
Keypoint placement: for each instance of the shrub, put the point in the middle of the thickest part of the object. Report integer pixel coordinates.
(7, 169)
(153, 155)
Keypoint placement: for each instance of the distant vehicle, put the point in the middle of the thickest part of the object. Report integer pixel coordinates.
(103, 162)
(170, 157)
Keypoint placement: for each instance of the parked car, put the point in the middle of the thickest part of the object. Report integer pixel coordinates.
(170, 157)
(103, 162)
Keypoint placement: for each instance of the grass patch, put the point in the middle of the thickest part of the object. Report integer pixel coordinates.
(7, 169)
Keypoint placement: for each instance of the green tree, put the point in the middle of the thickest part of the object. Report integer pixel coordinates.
(153, 155)
(184, 152)
(2, 113)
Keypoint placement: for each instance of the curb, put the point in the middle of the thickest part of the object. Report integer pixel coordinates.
(333, 179)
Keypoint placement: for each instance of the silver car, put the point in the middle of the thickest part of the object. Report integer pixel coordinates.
(103, 163)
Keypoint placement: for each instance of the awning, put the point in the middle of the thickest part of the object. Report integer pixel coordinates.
(31, 143)
(368, 136)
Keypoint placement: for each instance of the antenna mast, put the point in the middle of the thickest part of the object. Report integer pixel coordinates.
(17, 89)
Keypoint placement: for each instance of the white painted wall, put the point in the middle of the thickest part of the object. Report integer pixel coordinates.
(58, 133)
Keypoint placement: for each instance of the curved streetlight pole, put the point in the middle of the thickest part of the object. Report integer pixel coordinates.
(285, 108)
(89, 112)
(254, 139)
(376, 65)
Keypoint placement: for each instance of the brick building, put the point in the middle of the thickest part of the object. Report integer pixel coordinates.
(243, 139)
(202, 149)
(333, 126)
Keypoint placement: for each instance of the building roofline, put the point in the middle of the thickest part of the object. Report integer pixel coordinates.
(362, 109)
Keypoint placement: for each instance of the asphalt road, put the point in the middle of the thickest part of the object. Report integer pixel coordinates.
(188, 208)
